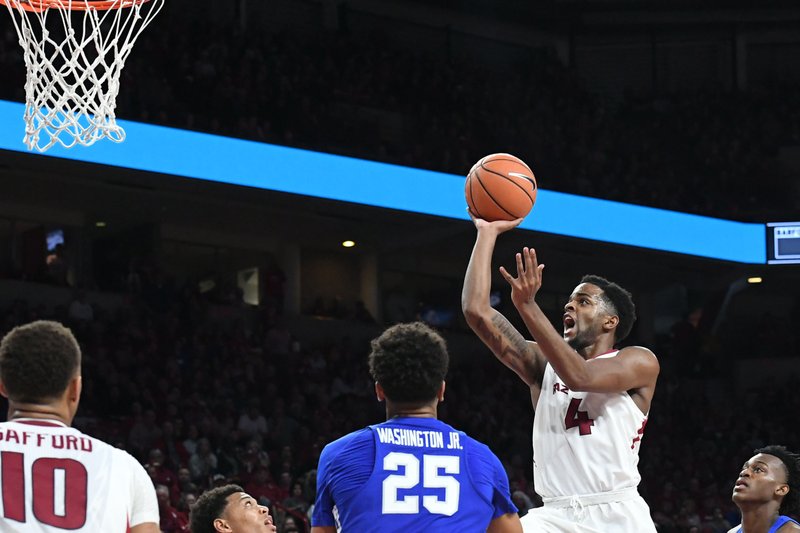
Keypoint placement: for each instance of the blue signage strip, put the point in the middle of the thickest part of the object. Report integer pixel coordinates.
(241, 162)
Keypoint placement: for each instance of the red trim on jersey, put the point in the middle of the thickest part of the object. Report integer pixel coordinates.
(639, 434)
(604, 353)
(39, 422)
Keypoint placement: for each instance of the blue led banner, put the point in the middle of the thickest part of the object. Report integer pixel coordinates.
(240, 162)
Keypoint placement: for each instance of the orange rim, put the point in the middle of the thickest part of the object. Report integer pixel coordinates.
(38, 6)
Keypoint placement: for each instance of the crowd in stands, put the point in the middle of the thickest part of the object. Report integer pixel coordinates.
(711, 153)
(203, 397)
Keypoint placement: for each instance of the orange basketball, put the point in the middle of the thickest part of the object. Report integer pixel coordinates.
(500, 187)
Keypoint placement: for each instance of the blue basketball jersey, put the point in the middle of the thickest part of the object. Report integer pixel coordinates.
(776, 525)
(410, 474)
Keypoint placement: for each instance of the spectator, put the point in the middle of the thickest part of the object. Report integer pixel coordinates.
(203, 462)
(144, 434)
(161, 475)
(190, 442)
(263, 488)
(175, 452)
(289, 525)
(185, 483)
(253, 458)
(252, 421)
(186, 501)
(170, 519)
(296, 500)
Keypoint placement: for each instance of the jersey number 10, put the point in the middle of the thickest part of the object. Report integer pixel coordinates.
(431, 479)
(58, 487)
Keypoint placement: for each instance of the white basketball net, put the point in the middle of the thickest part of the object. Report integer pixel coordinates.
(74, 53)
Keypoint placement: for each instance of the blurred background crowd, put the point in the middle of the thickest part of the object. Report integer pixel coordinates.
(361, 94)
(204, 389)
(204, 393)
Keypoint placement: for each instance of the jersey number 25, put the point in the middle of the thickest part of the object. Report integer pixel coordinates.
(431, 479)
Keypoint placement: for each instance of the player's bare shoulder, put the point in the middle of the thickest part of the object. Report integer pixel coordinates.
(640, 355)
(642, 365)
(641, 362)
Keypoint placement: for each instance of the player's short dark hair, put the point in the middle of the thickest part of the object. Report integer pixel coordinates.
(790, 505)
(210, 506)
(38, 360)
(409, 361)
(619, 300)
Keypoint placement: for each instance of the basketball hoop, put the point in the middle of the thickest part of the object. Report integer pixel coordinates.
(74, 52)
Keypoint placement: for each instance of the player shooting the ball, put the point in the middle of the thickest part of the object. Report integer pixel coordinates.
(591, 401)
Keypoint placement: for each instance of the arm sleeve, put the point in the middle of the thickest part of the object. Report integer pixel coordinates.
(487, 472)
(144, 506)
(323, 505)
(501, 498)
(344, 467)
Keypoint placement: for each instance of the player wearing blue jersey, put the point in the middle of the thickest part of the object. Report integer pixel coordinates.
(768, 489)
(412, 472)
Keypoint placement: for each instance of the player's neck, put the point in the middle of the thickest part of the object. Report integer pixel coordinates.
(38, 412)
(600, 347)
(758, 518)
(408, 411)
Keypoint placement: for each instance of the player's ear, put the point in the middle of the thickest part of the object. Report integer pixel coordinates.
(3, 390)
(74, 389)
(440, 394)
(611, 322)
(379, 393)
(221, 526)
(782, 490)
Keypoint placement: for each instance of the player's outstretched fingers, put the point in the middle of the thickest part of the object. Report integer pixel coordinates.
(536, 268)
(531, 258)
(508, 277)
(535, 262)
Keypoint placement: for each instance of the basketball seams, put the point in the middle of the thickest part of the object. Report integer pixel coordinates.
(489, 194)
(492, 198)
(471, 195)
(533, 182)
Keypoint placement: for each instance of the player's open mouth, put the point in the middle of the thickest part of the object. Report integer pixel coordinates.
(569, 323)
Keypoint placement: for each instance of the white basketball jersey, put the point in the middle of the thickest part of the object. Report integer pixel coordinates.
(584, 442)
(53, 478)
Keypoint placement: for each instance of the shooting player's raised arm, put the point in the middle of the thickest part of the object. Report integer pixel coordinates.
(507, 344)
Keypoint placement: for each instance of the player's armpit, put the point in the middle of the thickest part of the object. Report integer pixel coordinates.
(507, 523)
(508, 345)
(323, 529)
(147, 527)
(633, 367)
